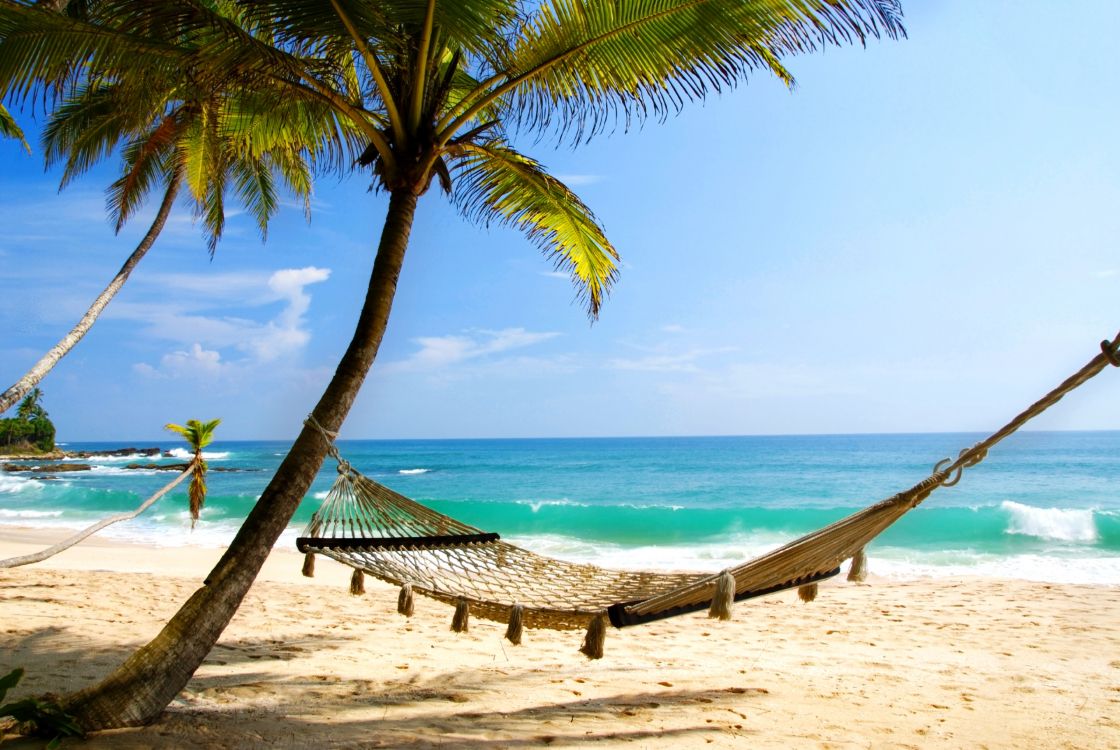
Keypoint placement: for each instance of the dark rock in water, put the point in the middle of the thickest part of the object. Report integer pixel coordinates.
(179, 467)
(158, 467)
(45, 467)
(116, 452)
(55, 455)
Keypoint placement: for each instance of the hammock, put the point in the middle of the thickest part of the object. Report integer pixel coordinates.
(380, 532)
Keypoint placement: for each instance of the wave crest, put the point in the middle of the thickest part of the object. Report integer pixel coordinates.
(1057, 524)
(13, 485)
(186, 455)
(7, 513)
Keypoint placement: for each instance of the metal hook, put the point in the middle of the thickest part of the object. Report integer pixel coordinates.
(947, 482)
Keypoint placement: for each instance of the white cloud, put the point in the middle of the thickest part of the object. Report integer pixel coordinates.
(556, 275)
(261, 343)
(1106, 273)
(440, 352)
(673, 328)
(195, 363)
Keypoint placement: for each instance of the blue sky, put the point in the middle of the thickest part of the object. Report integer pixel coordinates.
(922, 236)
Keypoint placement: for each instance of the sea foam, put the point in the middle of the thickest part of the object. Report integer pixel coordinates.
(15, 485)
(1056, 524)
(414, 471)
(186, 455)
(8, 513)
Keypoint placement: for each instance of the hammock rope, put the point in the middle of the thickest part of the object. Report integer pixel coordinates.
(377, 531)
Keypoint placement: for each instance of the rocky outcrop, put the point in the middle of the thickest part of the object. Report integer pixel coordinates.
(44, 467)
(115, 452)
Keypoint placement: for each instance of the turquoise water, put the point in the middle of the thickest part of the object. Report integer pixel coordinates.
(1043, 506)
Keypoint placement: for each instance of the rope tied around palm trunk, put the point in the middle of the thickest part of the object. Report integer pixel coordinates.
(330, 438)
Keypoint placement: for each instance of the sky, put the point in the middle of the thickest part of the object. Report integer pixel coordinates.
(921, 236)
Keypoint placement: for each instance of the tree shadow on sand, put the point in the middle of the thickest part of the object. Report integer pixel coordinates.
(324, 711)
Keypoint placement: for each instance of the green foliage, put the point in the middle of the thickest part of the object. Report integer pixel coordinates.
(29, 429)
(39, 716)
(412, 90)
(198, 435)
(9, 128)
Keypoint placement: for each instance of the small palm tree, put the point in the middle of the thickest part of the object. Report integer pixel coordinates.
(29, 407)
(198, 435)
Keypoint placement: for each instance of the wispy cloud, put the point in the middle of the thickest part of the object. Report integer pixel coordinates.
(682, 361)
(1107, 273)
(195, 363)
(437, 353)
(556, 275)
(204, 337)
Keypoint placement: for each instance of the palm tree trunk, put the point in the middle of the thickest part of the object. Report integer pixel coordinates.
(40, 369)
(15, 562)
(140, 689)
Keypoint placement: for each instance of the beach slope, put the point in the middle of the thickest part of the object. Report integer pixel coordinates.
(935, 663)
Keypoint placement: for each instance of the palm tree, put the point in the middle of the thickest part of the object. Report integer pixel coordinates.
(198, 435)
(173, 133)
(29, 407)
(433, 87)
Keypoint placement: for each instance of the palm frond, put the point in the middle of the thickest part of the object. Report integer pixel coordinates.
(494, 182)
(581, 65)
(147, 160)
(9, 128)
(474, 25)
(253, 182)
(39, 47)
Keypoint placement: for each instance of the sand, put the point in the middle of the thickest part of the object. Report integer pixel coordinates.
(937, 663)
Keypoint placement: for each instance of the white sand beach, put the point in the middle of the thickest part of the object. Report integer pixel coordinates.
(934, 663)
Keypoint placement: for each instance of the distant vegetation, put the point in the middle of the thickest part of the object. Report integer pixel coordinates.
(30, 431)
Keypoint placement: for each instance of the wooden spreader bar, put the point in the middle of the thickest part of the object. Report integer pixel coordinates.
(315, 543)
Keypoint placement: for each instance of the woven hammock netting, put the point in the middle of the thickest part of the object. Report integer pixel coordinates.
(378, 531)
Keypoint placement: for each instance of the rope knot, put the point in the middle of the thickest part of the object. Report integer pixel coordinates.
(1111, 349)
(330, 437)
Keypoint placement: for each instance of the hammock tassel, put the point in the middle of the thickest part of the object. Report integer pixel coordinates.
(405, 604)
(357, 583)
(858, 571)
(460, 623)
(309, 565)
(595, 637)
(515, 627)
(723, 597)
(808, 592)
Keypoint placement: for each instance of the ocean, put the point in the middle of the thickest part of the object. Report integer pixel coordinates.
(1044, 505)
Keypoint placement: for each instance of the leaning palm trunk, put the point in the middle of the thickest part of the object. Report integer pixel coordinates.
(40, 369)
(140, 689)
(15, 562)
